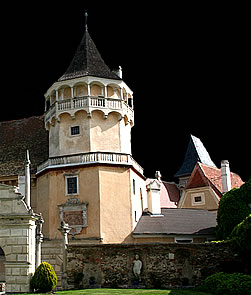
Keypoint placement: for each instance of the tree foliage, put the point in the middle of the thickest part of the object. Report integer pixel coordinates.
(234, 207)
(241, 236)
(44, 279)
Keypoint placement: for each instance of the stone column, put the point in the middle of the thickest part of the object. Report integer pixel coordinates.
(27, 180)
(64, 229)
(39, 239)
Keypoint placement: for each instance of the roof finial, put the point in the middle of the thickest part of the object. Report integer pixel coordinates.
(86, 16)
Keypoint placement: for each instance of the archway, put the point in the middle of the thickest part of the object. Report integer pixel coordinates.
(2, 267)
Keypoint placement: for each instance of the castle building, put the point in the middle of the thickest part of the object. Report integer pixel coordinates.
(83, 173)
(90, 170)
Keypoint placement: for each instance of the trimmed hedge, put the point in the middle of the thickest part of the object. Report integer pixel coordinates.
(227, 284)
(44, 279)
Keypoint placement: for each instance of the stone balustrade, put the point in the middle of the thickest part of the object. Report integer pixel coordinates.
(90, 158)
(89, 104)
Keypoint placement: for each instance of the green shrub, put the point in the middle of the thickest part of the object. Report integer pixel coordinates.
(241, 236)
(227, 284)
(233, 208)
(44, 279)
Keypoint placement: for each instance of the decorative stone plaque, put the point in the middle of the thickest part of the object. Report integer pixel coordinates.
(74, 213)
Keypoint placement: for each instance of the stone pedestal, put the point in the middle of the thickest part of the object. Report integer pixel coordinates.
(64, 229)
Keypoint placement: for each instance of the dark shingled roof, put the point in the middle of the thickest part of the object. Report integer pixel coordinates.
(196, 152)
(177, 221)
(87, 61)
(18, 136)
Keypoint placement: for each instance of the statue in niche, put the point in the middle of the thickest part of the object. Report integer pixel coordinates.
(137, 265)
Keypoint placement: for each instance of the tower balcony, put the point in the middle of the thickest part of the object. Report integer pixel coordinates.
(89, 104)
(92, 158)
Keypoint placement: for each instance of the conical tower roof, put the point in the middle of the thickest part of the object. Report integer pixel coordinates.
(87, 61)
(196, 152)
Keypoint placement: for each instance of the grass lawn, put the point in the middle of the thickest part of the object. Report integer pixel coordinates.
(129, 292)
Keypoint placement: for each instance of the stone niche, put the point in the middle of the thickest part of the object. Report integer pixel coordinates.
(17, 239)
(74, 213)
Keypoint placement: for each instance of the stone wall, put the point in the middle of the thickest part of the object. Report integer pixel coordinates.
(52, 253)
(17, 240)
(163, 265)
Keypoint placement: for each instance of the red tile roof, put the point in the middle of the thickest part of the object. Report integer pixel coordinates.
(205, 175)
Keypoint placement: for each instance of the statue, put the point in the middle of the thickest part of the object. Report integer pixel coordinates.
(137, 265)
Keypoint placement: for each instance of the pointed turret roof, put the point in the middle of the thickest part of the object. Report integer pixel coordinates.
(87, 61)
(196, 152)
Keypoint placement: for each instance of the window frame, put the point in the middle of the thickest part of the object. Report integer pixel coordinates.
(196, 195)
(66, 185)
(72, 128)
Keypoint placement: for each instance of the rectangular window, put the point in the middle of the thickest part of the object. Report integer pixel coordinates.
(71, 185)
(133, 186)
(198, 199)
(75, 130)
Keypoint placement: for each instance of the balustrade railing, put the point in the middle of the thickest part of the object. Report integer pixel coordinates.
(90, 158)
(87, 102)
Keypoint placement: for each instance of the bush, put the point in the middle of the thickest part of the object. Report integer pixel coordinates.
(44, 279)
(227, 284)
(241, 236)
(233, 208)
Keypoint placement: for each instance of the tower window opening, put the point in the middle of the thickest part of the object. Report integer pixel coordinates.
(72, 185)
(130, 102)
(134, 186)
(75, 130)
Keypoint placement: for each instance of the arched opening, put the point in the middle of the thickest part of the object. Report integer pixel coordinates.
(80, 90)
(113, 91)
(97, 89)
(2, 267)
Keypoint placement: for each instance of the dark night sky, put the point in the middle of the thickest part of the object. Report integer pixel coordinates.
(188, 67)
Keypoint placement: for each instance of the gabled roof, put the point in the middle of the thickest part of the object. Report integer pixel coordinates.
(204, 175)
(177, 221)
(15, 138)
(196, 152)
(87, 61)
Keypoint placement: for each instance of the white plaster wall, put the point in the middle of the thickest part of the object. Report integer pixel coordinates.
(136, 203)
(125, 137)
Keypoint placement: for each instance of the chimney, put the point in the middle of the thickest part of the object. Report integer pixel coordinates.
(27, 180)
(118, 72)
(158, 175)
(225, 176)
(153, 195)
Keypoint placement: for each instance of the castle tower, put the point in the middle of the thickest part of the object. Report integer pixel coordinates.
(89, 108)
(90, 180)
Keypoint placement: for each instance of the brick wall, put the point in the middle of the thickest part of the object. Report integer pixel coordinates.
(163, 265)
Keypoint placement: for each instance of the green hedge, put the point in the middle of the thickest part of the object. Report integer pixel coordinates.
(44, 279)
(227, 284)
